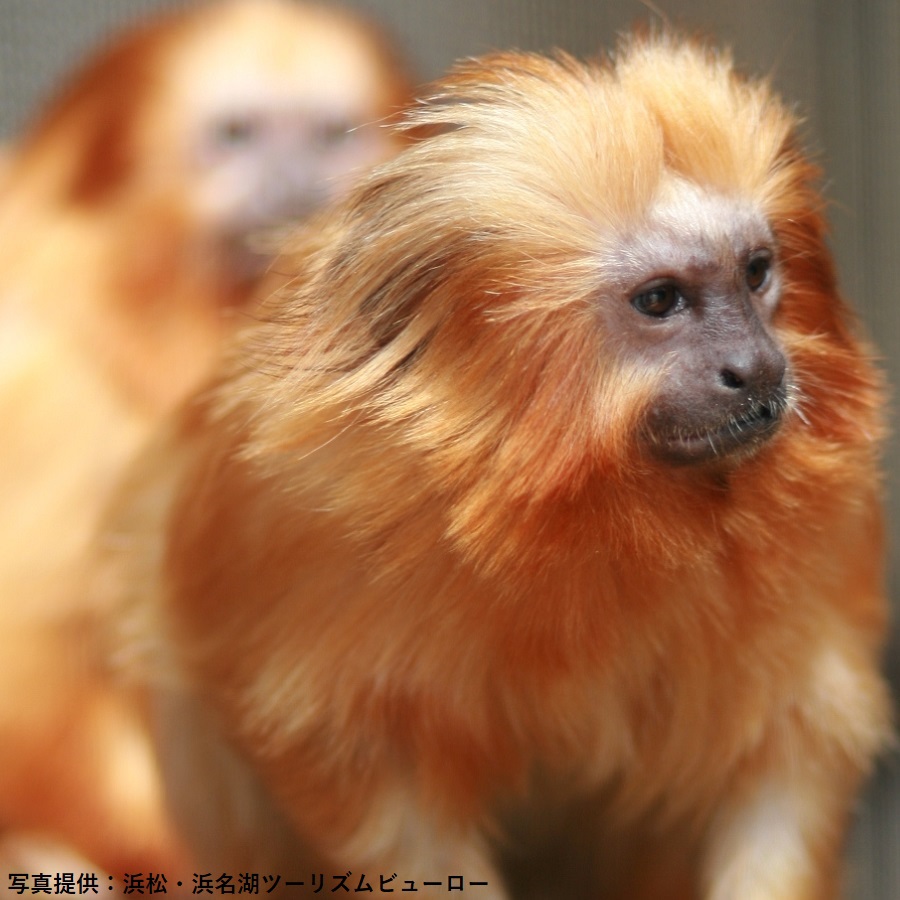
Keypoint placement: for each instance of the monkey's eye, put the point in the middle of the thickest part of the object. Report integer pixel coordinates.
(235, 130)
(757, 272)
(334, 131)
(660, 301)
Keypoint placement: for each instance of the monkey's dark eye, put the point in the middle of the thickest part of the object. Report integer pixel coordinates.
(235, 130)
(333, 132)
(757, 272)
(659, 302)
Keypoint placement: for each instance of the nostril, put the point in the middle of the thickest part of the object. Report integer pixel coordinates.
(731, 379)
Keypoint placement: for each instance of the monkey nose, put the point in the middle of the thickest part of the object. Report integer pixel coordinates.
(758, 371)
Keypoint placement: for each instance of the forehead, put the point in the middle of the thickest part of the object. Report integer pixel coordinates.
(686, 227)
(277, 56)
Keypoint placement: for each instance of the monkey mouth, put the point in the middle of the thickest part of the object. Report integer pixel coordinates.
(739, 433)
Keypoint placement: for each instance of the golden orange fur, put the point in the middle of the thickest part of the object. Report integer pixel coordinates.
(122, 266)
(410, 568)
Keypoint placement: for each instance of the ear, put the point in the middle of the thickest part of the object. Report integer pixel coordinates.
(97, 111)
(104, 158)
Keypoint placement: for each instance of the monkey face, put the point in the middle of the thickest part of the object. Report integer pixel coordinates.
(259, 165)
(265, 111)
(700, 284)
(283, 117)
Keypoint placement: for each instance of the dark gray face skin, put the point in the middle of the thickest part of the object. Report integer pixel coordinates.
(698, 287)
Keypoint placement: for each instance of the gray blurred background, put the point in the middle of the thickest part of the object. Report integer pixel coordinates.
(838, 61)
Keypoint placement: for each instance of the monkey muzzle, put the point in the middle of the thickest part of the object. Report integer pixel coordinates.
(721, 434)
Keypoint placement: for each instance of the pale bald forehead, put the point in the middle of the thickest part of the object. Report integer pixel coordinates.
(686, 228)
(280, 55)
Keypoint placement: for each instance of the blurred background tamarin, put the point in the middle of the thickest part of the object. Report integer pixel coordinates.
(550, 484)
(129, 221)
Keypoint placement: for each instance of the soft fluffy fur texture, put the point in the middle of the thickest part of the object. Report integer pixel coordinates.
(418, 583)
(122, 213)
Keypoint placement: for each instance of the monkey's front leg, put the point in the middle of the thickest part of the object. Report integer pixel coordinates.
(397, 838)
(779, 834)
(781, 842)
(377, 822)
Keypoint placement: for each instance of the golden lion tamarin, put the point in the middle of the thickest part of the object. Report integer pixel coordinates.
(159, 158)
(123, 262)
(548, 492)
